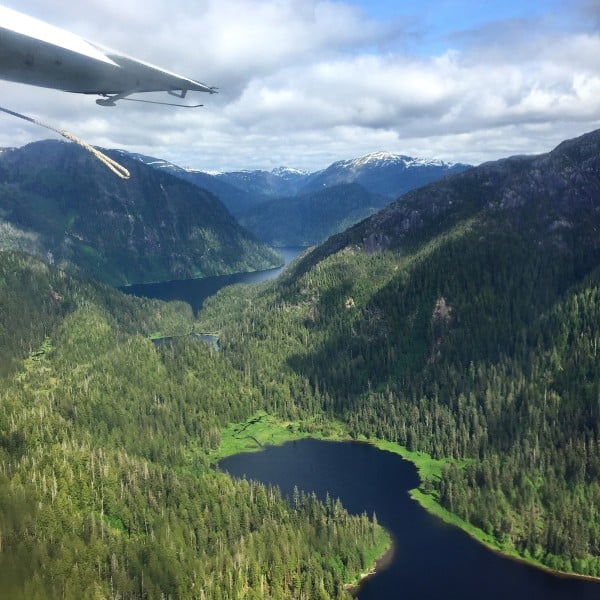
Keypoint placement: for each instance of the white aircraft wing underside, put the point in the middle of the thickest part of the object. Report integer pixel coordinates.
(36, 53)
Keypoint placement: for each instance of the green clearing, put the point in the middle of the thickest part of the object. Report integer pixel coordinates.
(263, 429)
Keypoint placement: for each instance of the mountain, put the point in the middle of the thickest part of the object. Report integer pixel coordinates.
(58, 202)
(462, 321)
(382, 173)
(310, 218)
(281, 181)
(554, 195)
(247, 193)
(234, 198)
(331, 200)
(289, 207)
(238, 190)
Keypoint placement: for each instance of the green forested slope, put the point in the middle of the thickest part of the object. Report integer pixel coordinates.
(34, 299)
(308, 219)
(105, 490)
(463, 321)
(59, 203)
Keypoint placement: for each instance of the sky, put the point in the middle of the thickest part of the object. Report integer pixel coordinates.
(303, 83)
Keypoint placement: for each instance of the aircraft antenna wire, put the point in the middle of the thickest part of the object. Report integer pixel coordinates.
(113, 165)
(162, 103)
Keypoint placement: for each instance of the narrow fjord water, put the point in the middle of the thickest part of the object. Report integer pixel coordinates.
(196, 291)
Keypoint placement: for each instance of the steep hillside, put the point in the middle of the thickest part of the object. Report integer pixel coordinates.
(267, 184)
(36, 298)
(59, 203)
(309, 219)
(462, 320)
(233, 198)
(238, 190)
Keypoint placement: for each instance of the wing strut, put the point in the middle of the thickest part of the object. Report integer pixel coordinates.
(113, 165)
(111, 101)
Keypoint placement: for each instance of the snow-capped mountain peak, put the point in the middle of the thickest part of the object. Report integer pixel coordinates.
(389, 159)
(288, 171)
(382, 172)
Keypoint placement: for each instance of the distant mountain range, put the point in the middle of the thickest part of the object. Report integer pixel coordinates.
(59, 203)
(281, 206)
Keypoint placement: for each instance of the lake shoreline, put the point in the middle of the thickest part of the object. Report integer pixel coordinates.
(422, 462)
(451, 519)
(125, 286)
(288, 254)
(275, 432)
(379, 565)
(195, 290)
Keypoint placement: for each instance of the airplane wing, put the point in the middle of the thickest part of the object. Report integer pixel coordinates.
(36, 53)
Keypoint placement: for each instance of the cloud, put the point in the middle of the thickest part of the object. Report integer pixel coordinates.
(305, 82)
(451, 93)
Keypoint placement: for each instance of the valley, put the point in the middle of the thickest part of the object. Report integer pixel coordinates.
(440, 324)
(290, 207)
(458, 325)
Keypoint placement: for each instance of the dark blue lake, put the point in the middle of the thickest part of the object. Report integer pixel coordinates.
(196, 291)
(431, 560)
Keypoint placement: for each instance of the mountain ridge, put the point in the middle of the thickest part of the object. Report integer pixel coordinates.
(261, 200)
(423, 206)
(258, 185)
(59, 203)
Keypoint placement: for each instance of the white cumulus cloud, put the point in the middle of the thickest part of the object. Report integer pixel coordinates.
(307, 82)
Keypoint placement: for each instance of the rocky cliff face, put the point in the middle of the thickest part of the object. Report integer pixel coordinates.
(59, 203)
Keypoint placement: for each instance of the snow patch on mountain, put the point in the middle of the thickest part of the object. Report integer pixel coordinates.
(288, 171)
(389, 159)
